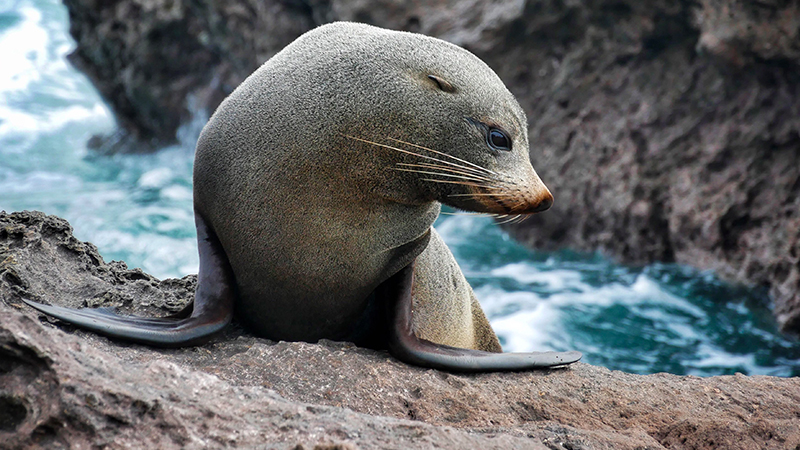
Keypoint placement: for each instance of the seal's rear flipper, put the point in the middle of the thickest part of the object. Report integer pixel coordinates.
(406, 346)
(211, 311)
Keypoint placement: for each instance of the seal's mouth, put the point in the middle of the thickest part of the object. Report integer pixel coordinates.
(509, 201)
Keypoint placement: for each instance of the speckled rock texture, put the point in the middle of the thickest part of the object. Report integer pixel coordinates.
(64, 388)
(667, 130)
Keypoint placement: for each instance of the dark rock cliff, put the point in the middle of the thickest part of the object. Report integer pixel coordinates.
(667, 130)
(64, 388)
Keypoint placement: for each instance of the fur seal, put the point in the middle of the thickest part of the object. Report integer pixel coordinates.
(316, 184)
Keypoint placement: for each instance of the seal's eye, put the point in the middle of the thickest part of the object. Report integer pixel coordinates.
(498, 140)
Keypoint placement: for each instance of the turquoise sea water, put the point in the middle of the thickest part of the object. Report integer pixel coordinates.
(138, 208)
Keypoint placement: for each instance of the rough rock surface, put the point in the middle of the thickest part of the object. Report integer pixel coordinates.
(668, 131)
(65, 388)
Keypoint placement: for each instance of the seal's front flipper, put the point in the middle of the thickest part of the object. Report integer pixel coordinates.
(211, 311)
(406, 346)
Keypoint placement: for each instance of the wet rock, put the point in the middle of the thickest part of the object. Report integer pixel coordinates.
(65, 388)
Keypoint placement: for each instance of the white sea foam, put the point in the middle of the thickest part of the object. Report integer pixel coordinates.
(35, 74)
(36, 181)
(556, 280)
(156, 178)
(713, 356)
(24, 50)
(16, 123)
(176, 192)
(541, 325)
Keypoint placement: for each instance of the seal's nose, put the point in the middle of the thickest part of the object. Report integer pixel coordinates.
(544, 204)
(537, 195)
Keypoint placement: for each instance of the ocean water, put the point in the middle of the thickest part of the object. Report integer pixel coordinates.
(138, 208)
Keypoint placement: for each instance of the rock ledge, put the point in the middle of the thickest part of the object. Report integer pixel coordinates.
(64, 388)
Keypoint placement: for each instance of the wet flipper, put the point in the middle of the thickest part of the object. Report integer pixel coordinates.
(407, 347)
(210, 312)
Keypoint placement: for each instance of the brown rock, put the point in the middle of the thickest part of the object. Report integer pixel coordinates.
(65, 388)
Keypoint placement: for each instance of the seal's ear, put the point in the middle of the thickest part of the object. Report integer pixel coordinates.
(442, 84)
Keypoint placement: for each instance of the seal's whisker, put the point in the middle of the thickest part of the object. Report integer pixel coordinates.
(448, 163)
(482, 194)
(445, 154)
(480, 185)
(520, 218)
(409, 152)
(437, 174)
(446, 169)
(464, 171)
(509, 220)
(465, 213)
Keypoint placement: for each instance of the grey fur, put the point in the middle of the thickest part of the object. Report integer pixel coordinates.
(312, 221)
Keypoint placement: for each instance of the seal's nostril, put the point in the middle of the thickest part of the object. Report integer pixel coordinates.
(545, 204)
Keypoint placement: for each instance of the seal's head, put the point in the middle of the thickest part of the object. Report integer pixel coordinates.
(458, 135)
(400, 116)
